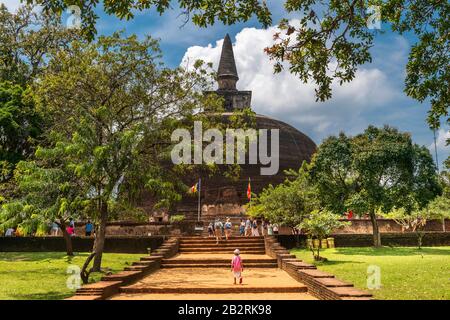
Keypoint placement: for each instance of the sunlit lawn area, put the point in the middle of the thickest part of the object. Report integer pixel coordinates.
(406, 273)
(42, 275)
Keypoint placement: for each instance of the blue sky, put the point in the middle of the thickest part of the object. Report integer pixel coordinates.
(374, 97)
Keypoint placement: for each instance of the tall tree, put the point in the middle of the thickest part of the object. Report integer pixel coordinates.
(26, 37)
(114, 108)
(48, 192)
(375, 171)
(20, 126)
(286, 204)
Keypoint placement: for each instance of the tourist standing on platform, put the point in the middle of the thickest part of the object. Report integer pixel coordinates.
(255, 231)
(218, 226)
(10, 232)
(270, 230)
(88, 228)
(70, 230)
(242, 228)
(211, 229)
(275, 229)
(228, 226)
(237, 267)
(55, 229)
(264, 228)
(248, 228)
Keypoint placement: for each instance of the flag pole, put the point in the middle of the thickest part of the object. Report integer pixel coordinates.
(250, 193)
(199, 191)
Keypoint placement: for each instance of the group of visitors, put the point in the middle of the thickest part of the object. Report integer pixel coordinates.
(88, 228)
(220, 229)
(55, 228)
(247, 228)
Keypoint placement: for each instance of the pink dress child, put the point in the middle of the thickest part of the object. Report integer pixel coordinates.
(237, 266)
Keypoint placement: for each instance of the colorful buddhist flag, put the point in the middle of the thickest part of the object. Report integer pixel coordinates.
(249, 190)
(194, 188)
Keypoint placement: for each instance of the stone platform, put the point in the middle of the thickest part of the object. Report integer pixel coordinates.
(215, 281)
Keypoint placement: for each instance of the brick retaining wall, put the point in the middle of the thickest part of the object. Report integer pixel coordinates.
(364, 226)
(366, 240)
(80, 244)
(320, 284)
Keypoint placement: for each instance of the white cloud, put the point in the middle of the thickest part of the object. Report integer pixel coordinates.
(441, 139)
(443, 149)
(285, 97)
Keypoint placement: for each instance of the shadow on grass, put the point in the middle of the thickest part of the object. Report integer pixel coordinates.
(51, 295)
(39, 256)
(335, 262)
(393, 251)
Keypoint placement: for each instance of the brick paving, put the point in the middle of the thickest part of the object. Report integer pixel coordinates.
(208, 276)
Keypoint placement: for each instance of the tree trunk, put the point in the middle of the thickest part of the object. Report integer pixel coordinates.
(420, 235)
(67, 239)
(376, 232)
(84, 274)
(100, 235)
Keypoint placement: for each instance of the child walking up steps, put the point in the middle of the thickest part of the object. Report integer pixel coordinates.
(237, 267)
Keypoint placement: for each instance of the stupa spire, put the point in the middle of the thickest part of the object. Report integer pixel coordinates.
(227, 75)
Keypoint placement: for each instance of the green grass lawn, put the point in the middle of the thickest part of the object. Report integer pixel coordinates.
(406, 273)
(42, 275)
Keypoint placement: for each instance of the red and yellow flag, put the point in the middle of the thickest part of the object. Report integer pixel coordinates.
(194, 188)
(249, 190)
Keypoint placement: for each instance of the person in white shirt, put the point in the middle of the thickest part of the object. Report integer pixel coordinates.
(9, 232)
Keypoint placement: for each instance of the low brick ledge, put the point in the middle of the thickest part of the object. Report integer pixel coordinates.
(213, 290)
(320, 284)
(111, 284)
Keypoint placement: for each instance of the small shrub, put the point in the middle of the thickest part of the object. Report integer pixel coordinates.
(177, 218)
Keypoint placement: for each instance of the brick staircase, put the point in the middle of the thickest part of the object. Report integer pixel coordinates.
(197, 266)
(251, 245)
(203, 268)
(218, 263)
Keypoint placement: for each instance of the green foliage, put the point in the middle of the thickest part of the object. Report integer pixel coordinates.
(333, 40)
(45, 194)
(375, 171)
(319, 224)
(406, 272)
(288, 203)
(114, 108)
(330, 43)
(20, 126)
(202, 13)
(43, 275)
(378, 169)
(27, 37)
(177, 218)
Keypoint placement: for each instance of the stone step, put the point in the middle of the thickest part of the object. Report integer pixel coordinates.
(223, 245)
(121, 276)
(213, 239)
(229, 289)
(262, 252)
(136, 268)
(85, 297)
(219, 265)
(228, 261)
(234, 237)
(220, 248)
